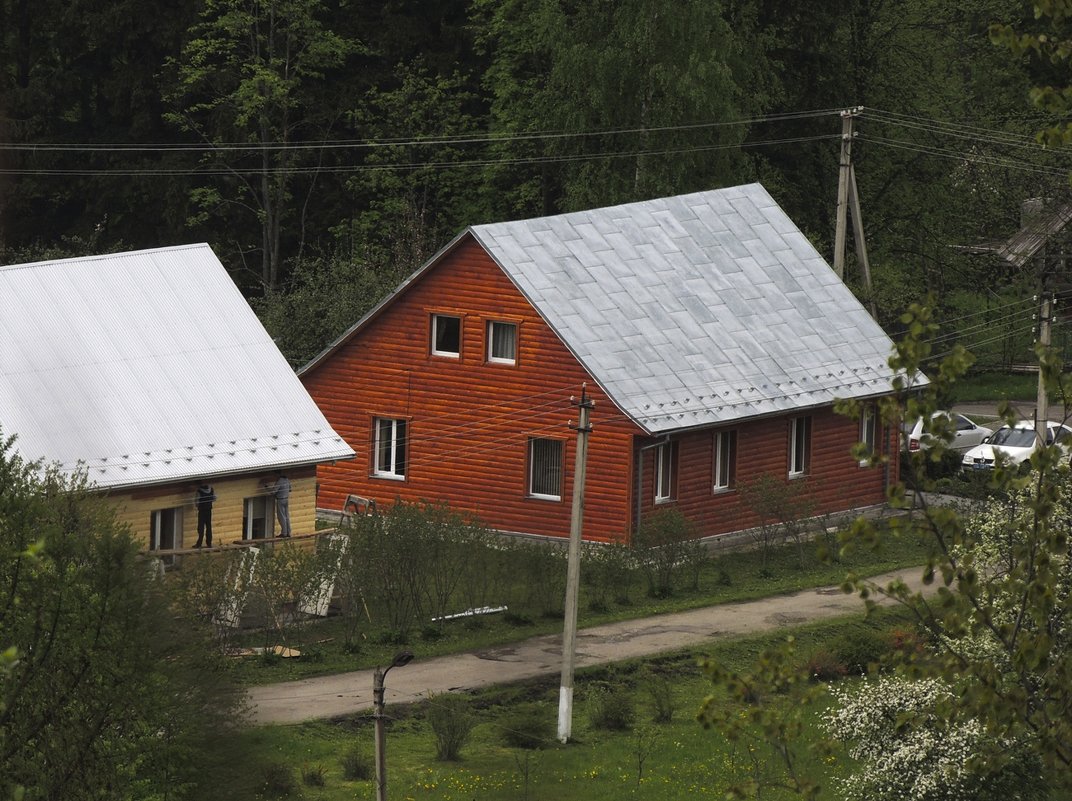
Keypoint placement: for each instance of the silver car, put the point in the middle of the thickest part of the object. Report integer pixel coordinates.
(966, 434)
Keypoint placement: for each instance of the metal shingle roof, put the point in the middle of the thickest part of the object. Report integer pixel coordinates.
(698, 309)
(148, 367)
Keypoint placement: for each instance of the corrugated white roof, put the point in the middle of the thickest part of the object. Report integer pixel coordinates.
(148, 367)
(698, 309)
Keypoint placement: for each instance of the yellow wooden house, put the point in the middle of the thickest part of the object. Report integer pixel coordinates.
(150, 373)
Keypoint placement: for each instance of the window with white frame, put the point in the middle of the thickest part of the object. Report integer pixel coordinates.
(868, 432)
(725, 467)
(165, 529)
(502, 342)
(446, 335)
(545, 468)
(389, 447)
(665, 472)
(799, 445)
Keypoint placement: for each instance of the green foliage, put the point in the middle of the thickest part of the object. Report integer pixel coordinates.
(910, 741)
(860, 649)
(665, 548)
(357, 765)
(660, 691)
(529, 727)
(277, 781)
(784, 508)
(610, 708)
(245, 76)
(452, 723)
(110, 689)
(314, 775)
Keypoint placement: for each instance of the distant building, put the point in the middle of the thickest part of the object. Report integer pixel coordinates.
(149, 372)
(711, 334)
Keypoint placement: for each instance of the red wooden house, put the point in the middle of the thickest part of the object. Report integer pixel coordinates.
(712, 336)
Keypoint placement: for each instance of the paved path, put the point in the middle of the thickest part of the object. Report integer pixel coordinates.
(347, 693)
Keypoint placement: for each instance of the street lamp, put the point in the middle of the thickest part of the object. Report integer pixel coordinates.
(401, 658)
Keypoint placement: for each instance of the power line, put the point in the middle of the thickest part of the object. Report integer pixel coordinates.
(413, 141)
(403, 166)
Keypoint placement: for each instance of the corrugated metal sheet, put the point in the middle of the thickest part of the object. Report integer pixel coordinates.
(713, 306)
(148, 367)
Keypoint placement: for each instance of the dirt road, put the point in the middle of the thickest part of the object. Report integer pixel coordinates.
(347, 693)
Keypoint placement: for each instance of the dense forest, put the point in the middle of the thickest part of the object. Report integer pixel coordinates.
(326, 148)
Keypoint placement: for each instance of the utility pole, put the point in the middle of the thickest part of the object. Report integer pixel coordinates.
(1042, 406)
(849, 203)
(573, 570)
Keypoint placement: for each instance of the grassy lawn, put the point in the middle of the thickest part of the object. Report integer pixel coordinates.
(729, 577)
(684, 761)
(994, 387)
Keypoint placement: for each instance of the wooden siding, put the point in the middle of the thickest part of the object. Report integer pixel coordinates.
(469, 421)
(135, 507)
(834, 480)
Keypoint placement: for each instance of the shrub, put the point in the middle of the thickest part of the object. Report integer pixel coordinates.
(528, 727)
(660, 690)
(663, 546)
(278, 781)
(858, 648)
(314, 776)
(824, 666)
(610, 710)
(451, 722)
(357, 765)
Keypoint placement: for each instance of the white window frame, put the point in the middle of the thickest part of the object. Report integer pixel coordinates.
(799, 446)
(665, 469)
(724, 469)
(258, 507)
(559, 446)
(163, 522)
(491, 328)
(868, 432)
(389, 447)
(450, 354)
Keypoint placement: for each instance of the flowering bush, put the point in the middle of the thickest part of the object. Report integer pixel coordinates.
(911, 748)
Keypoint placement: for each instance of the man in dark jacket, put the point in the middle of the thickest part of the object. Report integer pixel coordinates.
(203, 500)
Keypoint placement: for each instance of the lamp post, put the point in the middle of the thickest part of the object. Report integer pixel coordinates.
(400, 659)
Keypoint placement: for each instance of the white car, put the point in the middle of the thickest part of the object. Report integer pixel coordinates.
(1016, 444)
(966, 434)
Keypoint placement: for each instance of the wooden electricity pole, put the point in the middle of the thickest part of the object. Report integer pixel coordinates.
(573, 571)
(849, 203)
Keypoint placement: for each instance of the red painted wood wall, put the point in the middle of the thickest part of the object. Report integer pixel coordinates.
(833, 482)
(470, 421)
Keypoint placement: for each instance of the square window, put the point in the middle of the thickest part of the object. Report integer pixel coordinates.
(545, 468)
(799, 445)
(502, 343)
(446, 335)
(725, 468)
(665, 470)
(389, 447)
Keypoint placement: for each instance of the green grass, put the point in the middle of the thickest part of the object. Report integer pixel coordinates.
(729, 577)
(994, 387)
(686, 761)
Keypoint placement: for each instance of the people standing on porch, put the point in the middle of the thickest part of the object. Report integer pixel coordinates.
(204, 497)
(280, 489)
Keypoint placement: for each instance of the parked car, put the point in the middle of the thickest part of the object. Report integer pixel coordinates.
(966, 434)
(1016, 443)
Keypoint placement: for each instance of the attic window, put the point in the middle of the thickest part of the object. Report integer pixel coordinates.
(446, 335)
(502, 343)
